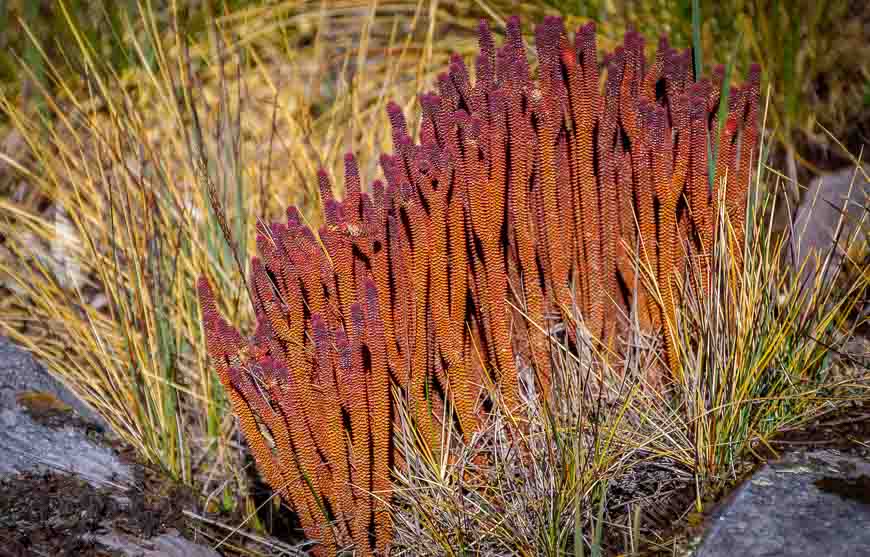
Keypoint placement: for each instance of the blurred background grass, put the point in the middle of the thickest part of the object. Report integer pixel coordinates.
(119, 119)
(815, 55)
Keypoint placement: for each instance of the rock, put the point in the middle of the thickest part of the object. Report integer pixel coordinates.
(61, 488)
(170, 544)
(28, 446)
(809, 503)
(28, 391)
(20, 372)
(818, 216)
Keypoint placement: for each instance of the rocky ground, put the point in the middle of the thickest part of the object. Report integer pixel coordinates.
(67, 488)
(806, 504)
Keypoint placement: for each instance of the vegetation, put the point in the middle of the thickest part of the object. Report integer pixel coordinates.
(112, 221)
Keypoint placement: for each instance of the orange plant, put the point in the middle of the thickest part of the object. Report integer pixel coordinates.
(545, 195)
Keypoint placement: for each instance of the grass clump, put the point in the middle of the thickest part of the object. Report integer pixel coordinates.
(100, 278)
(490, 439)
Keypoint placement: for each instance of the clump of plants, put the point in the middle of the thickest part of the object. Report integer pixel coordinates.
(527, 206)
(534, 406)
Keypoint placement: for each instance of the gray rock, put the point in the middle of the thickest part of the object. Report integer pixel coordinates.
(20, 372)
(170, 544)
(830, 197)
(26, 445)
(807, 504)
(29, 446)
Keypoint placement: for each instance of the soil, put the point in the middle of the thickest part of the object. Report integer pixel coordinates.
(57, 514)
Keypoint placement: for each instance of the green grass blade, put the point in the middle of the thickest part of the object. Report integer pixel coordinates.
(697, 47)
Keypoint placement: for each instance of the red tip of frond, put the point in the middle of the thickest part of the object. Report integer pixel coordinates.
(262, 283)
(664, 45)
(446, 88)
(617, 58)
(547, 39)
(263, 332)
(206, 298)
(319, 331)
(241, 382)
(397, 120)
(697, 102)
(671, 65)
(237, 379)
(514, 31)
(646, 110)
(333, 212)
(663, 51)
(497, 102)
(569, 58)
(730, 126)
(754, 74)
(406, 144)
(351, 173)
(264, 244)
(278, 230)
(371, 297)
(272, 368)
(686, 63)
(457, 69)
(306, 239)
(277, 370)
(391, 172)
(484, 35)
(633, 42)
(486, 59)
(293, 218)
(462, 118)
(325, 185)
(342, 347)
(429, 103)
(702, 89)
